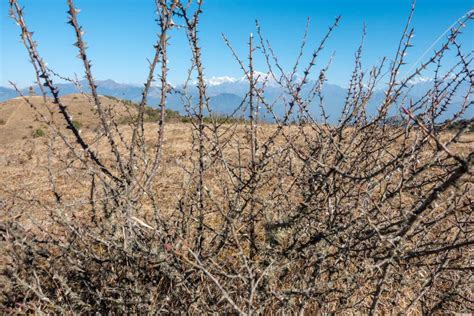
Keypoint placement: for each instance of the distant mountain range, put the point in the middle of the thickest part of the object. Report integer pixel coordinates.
(228, 93)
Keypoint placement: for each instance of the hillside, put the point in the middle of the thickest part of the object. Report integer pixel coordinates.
(21, 120)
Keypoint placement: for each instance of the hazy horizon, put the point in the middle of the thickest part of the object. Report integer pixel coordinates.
(121, 35)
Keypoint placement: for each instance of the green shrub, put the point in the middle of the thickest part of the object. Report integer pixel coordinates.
(221, 119)
(77, 124)
(151, 115)
(38, 133)
(185, 119)
(171, 114)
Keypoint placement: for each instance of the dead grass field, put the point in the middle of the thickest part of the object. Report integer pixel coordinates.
(21, 119)
(24, 157)
(25, 193)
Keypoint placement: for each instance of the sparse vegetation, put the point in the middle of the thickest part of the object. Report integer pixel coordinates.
(145, 215)
(459, 125)
(77, 124)
(38, 133)
(153, 115)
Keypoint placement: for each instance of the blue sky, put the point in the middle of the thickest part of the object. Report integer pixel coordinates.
(121, 34)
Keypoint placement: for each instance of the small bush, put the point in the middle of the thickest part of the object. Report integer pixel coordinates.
(215, 118)
(151, 116)
(2, 122)
(77, 124)
(38, 133)
(185, 119)
(222, 118)
(461, 124)
(171, 114)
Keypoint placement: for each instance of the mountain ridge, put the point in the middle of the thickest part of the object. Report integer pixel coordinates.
(226, 94)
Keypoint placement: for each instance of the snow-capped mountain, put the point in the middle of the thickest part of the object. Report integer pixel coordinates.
(216, 81)
(419, 79)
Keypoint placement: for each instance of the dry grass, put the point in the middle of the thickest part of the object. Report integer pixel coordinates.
(26, 195)
(21, 119)
(371, 215)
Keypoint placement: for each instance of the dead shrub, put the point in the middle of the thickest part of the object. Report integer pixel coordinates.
(364, 215)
